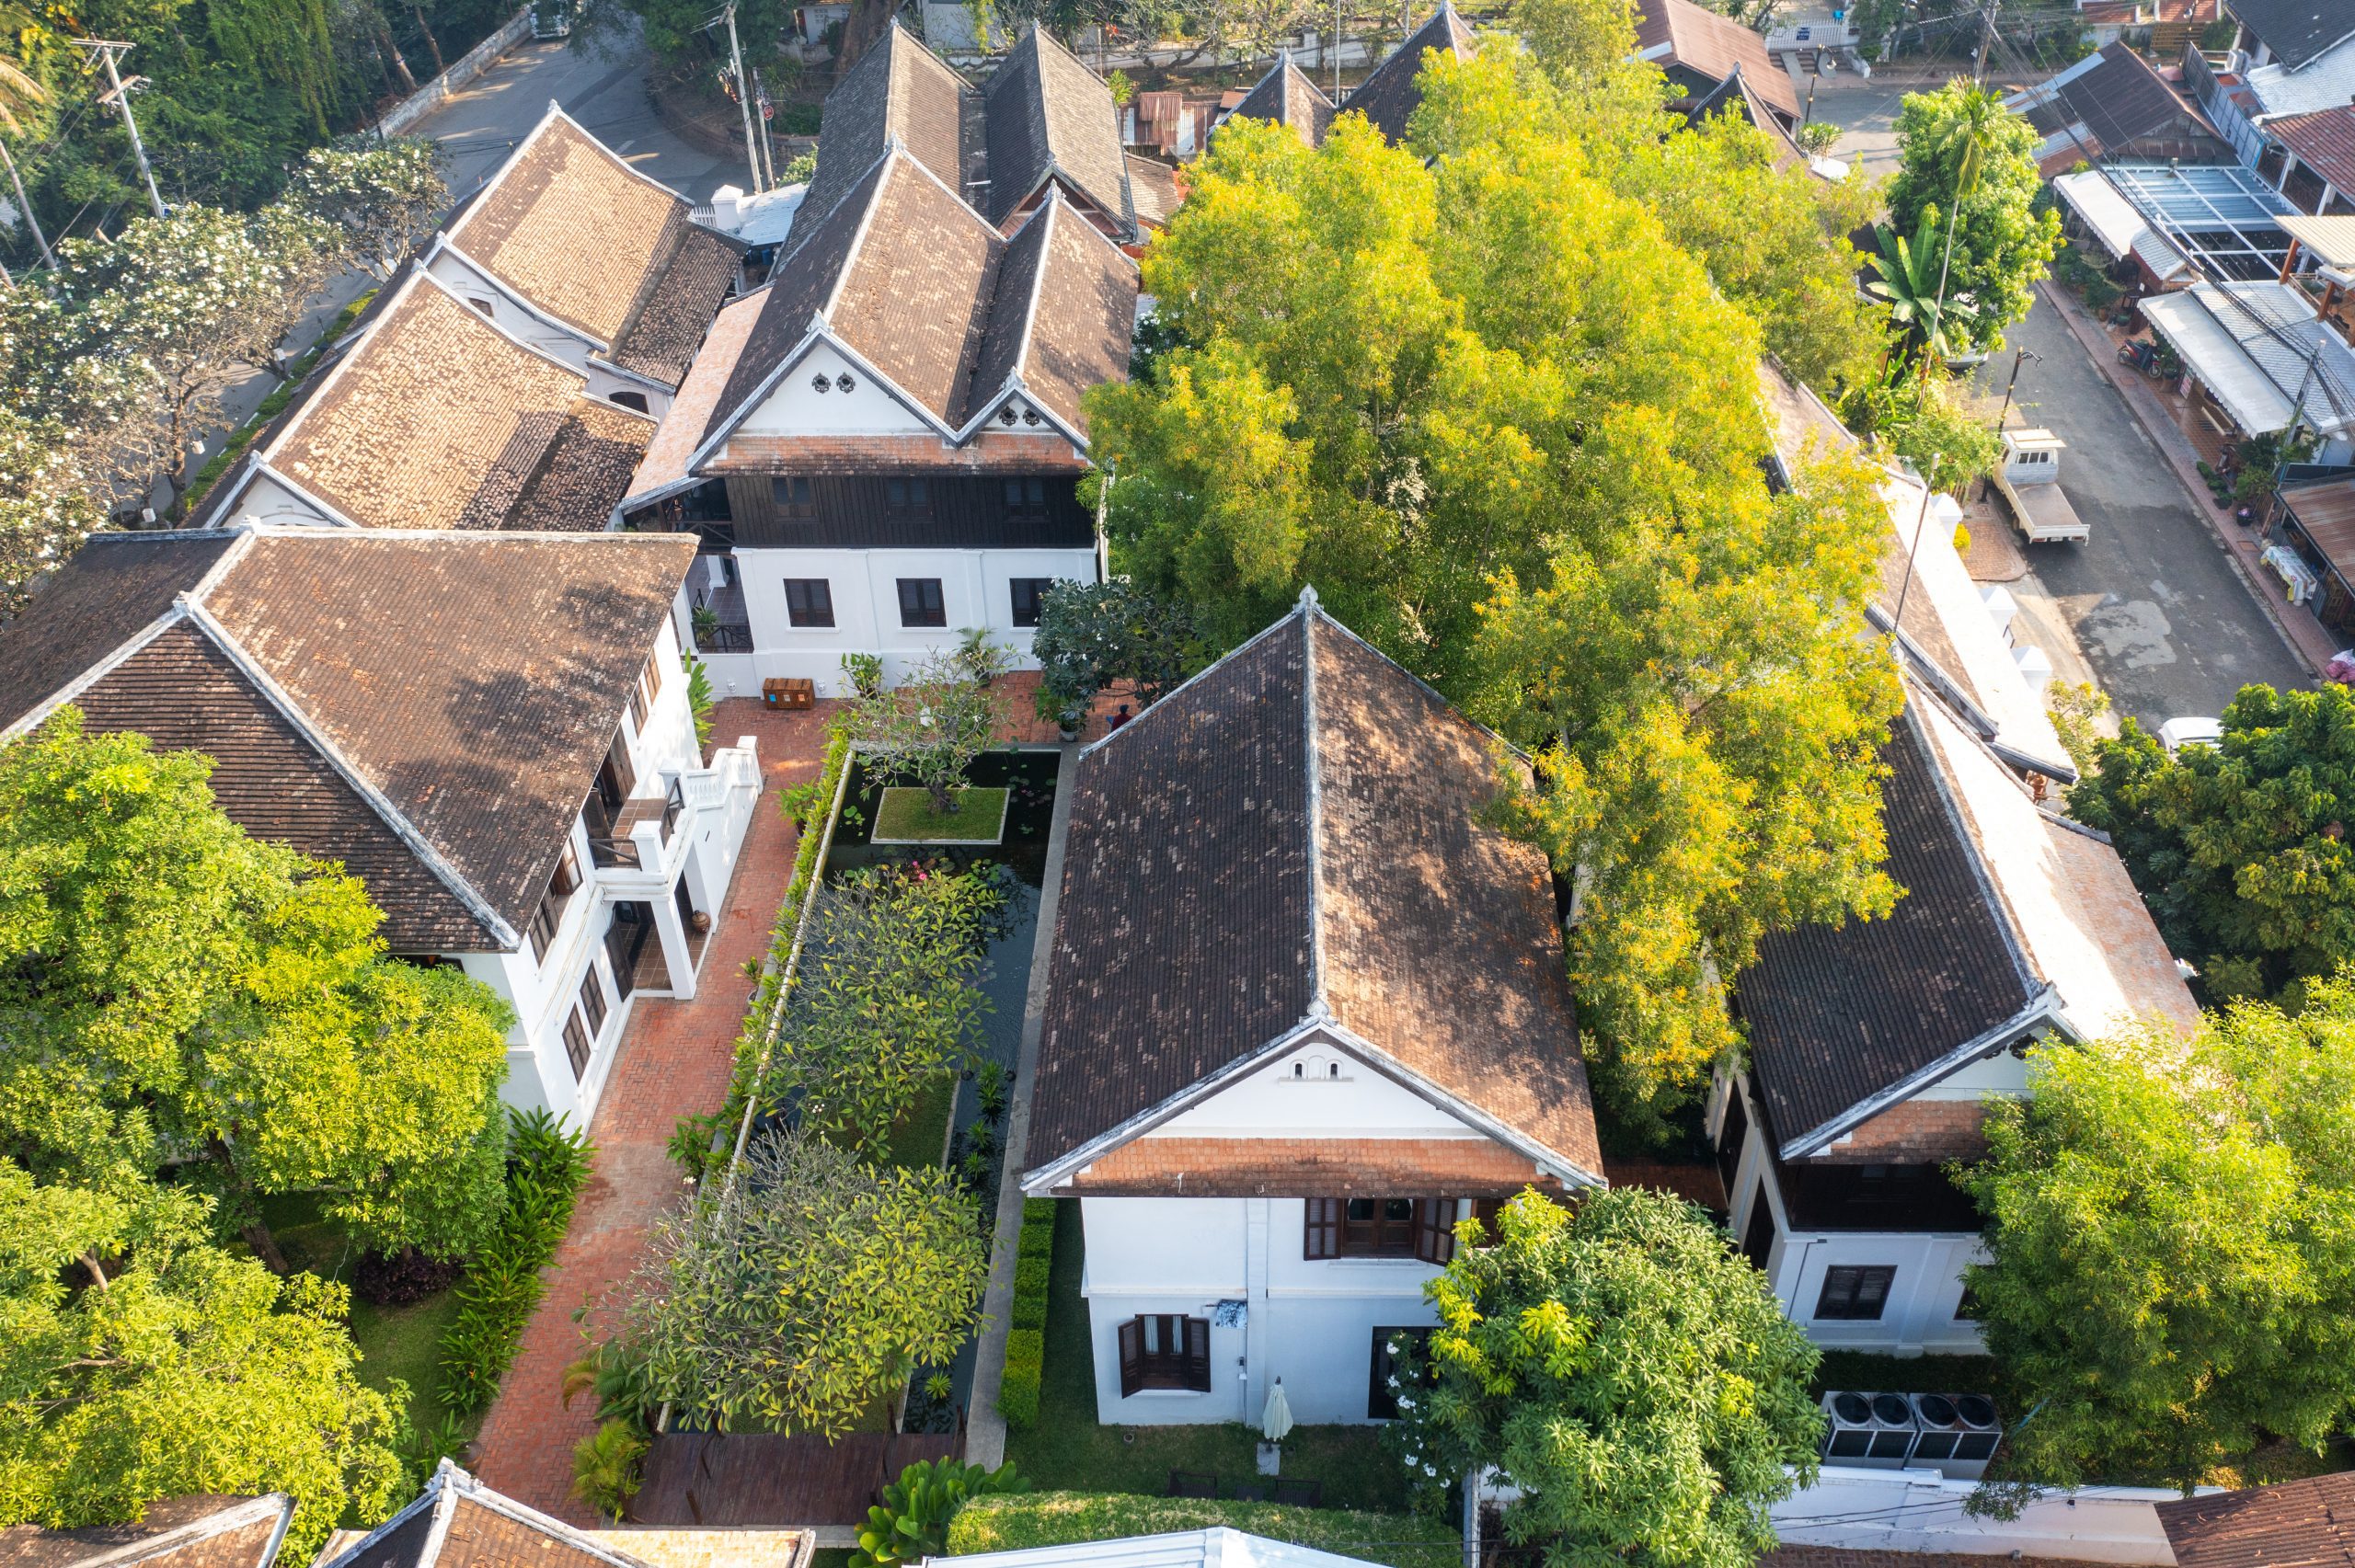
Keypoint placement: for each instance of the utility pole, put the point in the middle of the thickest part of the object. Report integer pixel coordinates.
(768, 152)
(1337, 50)
(743, 97)
(2004, 412)
(119, 94)
(26, 207)
(1986, 42)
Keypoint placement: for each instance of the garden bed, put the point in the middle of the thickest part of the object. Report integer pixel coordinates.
(904, 816)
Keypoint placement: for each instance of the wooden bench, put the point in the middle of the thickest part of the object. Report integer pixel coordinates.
(788, 692)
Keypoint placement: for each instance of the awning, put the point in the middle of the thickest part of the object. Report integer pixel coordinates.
(2330, 239)
(2325, 514)
(2165, 262)
(2212, 356)
(2111, 217)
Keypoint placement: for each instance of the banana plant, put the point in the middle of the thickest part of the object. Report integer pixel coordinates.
(1910, 284)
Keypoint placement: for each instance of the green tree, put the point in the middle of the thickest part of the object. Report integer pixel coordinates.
(1963, 155)
(928, 729)
(1914, 283)
(802, 1290)
(139, 1362)
(46, 504)
(385, 193)
(173, 987)
(1624, 1367)
(1091, 635)
(2240, 849)
(1484, 406)
(2171, 1273)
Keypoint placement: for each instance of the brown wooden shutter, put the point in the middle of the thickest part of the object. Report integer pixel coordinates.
(1198, 1355)
(1132, 1356)
(1435, 1229)
(1487, 1211)
(1322, 1237)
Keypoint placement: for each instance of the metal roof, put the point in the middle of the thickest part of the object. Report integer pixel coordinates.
(2259, 347)
(2330, 239)
(2220, 215)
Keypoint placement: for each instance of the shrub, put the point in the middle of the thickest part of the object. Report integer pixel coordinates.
(545, 1167)
(1063, 1519)
(1017, 1396)
(1962, 539)
(604, 1467)
(401, 1278)
(1030, 1283)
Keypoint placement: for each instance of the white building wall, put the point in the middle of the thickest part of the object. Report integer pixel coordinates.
(497, 303)
(1317, 1088)
(798, 408)
(265, 500)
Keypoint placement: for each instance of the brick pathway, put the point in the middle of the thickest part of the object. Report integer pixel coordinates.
(674, 1060)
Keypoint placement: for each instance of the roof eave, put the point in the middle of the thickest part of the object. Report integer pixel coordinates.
(2043, 1007)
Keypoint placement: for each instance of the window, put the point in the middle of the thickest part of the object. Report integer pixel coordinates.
(907, 498)
(1381, 1228)
(1026, 497)
(593, 1001)
(795, 500)
(1758, 1239)
(628, 400)
(577, 1041)
(1381, 1393)
(562, 881)
(919, 602)
(1163, 1350)
(1854, 1293)
(481, 303)
(640, 700)
(809, 601)
(649, 679)
(1028, 592)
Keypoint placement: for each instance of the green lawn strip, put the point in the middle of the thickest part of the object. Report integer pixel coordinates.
(906, 813)
(1010, 1523)
(1068, 1451)
(922, 1130)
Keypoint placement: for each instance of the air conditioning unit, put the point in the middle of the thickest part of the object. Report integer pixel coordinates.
(1981, 1432)
(1941, 1427)
(1871, 1431)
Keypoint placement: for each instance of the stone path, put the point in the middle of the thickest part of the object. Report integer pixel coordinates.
(673, 1061)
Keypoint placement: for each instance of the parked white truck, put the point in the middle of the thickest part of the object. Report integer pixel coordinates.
(2029, 478)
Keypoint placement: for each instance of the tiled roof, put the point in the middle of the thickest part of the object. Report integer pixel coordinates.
(1837, 1014)
(177, 1532)
(458, 1522)
(112, 588)
(1331, 1167)
(992, 451)
(584, 472)
(1287, 97)
(439, 419)
(2323, 140)
(301, 669)
(675, 307)
(576, 231)
(1154, 190)
(1050, 115)
(898, 89)
(1263, 846)
(1711, 45)
(692, 409)
(1075, 317)
(2292, 1524)
(2298, 31)
(1389, 96)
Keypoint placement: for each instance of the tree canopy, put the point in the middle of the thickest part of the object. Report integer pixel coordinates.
(1964, 158)
(2240, 849)
(1482, 407)
(1629, 1372)
(2171, 1273)
(170, 985)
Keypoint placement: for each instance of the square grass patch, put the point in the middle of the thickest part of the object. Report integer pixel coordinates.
(904, 816)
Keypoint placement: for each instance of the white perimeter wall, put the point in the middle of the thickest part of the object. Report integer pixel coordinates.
(1919, 1510)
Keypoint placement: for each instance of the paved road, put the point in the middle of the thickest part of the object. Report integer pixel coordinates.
(2168, 626)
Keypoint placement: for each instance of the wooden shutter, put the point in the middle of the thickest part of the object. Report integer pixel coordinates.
(1488, 1210)
(1323, 1238)
(1198, 1355)
(1435, 1229)
(1132, 1356)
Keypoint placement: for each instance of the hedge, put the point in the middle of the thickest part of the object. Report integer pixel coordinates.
(547, 1166)
(1063, 1519)
(1017, 1396)
(1030, 1277)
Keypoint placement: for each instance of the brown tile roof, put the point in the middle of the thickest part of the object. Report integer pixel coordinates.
(1048, 115)
(457, 1522)
(437, 420)
(1308, 1167)
(573, 228)
(1287, 97)
(177, 1532)
(914, 299)
(677, 303)
(112, 588)
(1711, 45)
(898, 88)
(991, 452)
(2292, 1524)
(1153, 189)
(681, 430)
(1265, 844)
(586, 469)
(2323, 140)
(1389, 95)
(1075, 319)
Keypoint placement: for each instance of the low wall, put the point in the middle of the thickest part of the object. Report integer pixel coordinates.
(1919, 1510)
(436, 92)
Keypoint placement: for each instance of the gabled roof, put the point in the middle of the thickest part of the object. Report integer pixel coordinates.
(445, 770)
(177, 1532)
(2323, 140)
(457, 1522)
(1388, 97)
(436, 418)
(1051, 118)
(1287, 97)
(899, 90)
(1293, 841)
(2297, 31)
(573, 230)
(918, 285)
(2292, 1524)
(1681, 33)
(2112, 101)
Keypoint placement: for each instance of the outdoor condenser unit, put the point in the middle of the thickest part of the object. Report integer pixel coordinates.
(1981, 1433)
(1874, 1431)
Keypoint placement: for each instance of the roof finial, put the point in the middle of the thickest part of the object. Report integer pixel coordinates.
(1308, 596)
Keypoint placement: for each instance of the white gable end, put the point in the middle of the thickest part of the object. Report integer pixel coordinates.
(1317, 1088)
(267, 500)
(855, 402)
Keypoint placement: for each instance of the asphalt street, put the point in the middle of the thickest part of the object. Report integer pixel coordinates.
(2168, 626)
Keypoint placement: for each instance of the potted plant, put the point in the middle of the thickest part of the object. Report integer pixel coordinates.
(980, 657)
(707, 624)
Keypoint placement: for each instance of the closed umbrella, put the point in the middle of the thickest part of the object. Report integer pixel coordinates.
(1276, 1420)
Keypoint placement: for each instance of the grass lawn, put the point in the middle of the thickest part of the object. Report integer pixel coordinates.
(1065, 1450)
(923, 1131)
(905, 815)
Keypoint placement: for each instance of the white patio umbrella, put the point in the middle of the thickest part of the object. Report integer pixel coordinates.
(1276, 1420)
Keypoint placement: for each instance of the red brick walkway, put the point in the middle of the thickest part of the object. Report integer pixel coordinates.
(675, 1061)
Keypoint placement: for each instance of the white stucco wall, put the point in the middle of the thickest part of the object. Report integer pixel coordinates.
(1318, 1088)
(797, 409)
(498, 304)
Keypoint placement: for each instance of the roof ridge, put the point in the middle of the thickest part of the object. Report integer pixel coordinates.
(2008, 921)
(1269, 630)
(1312, 742)
(1045, 214)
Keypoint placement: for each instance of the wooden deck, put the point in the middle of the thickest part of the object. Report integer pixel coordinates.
(705, 1480)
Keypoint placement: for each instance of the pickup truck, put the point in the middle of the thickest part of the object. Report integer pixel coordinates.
(2029, 478)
